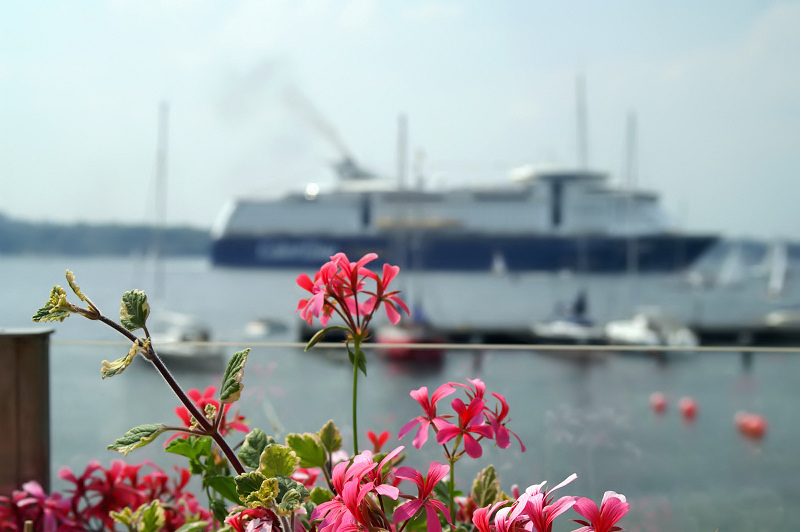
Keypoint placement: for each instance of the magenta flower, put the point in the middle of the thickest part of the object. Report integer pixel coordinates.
(498, 421)
(482, 517)
(612, 508)
(540, 508)
(342, 510)
(470, 423)
(430, 417)
(424, 499)
(391, 301)
(337, 286)
(377, 476)
(253, 520)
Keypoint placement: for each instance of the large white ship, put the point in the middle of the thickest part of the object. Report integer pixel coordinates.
(542, 221)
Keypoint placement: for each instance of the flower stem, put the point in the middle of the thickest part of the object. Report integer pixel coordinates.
(357, 353)
(452, 487)
(154, 359)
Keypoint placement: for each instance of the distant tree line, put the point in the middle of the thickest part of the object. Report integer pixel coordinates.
(33, 238)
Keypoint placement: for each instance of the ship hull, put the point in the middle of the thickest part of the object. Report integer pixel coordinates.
(661, 253)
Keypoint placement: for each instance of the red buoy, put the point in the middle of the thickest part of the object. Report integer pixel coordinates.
(751, 425)
(688, 407)
(658, 402)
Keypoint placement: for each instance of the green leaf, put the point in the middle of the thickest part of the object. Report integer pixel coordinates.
(56, 308)
(137, 437)
(153, 518)
(254, 444)
(109, 369)
(308, 448)
(291, 494)
(320, 334)
(134, 310)
(254, 487)
(278, 460)
(74, 286)
(357, 358)
(225, 486)
(232, 379)
(486, 487)
(192, 447)
(196, 526)
(330, 437)
(219, 509)
(319, 495)
(123, 517)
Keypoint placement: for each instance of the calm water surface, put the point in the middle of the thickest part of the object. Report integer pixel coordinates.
(588, 415)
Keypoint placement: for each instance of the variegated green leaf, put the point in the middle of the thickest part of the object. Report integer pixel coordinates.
(486, 487)
(278, 460)
(254, 444)
(109, 369)
(134, 310)
(330, 437)
(56, 308)
(232, 379)
(137, 437)
(196, 526)
(308, 448)
(123, 517)
(74, 286)
(153, 517)
(291, 494)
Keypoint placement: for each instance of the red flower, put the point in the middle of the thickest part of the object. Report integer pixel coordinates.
(208, 398)
(378, 441)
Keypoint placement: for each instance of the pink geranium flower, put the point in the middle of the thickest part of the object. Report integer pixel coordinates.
(424, 499)
(539, 507)
(343, 508)
(612, 508)
(340, 286)
(497, 420)
(470, 423)
(430, 417)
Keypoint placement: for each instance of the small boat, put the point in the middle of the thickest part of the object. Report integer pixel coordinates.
(570, 326)
(401, 340)
(181, 336)
(650, 327)
(569, 330)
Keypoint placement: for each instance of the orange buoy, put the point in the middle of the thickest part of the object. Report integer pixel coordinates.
(688, 407)
(658, 402)
(751, 425)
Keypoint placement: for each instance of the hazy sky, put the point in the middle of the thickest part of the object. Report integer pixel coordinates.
(486, 86)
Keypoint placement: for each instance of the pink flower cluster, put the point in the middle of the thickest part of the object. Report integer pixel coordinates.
(340, 286)
(358, 484)
(475, 420)
(535, 511)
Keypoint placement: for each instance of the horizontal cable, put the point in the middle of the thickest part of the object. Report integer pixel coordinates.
(466, 347)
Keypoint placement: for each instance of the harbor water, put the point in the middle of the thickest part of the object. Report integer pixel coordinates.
(577, 412)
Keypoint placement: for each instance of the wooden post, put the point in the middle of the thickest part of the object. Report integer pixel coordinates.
(25, 397)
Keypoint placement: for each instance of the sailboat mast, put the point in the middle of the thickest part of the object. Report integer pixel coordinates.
(583, 141)
(161, 197)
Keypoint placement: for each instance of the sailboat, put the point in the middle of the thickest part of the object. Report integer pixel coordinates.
(175, 335)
